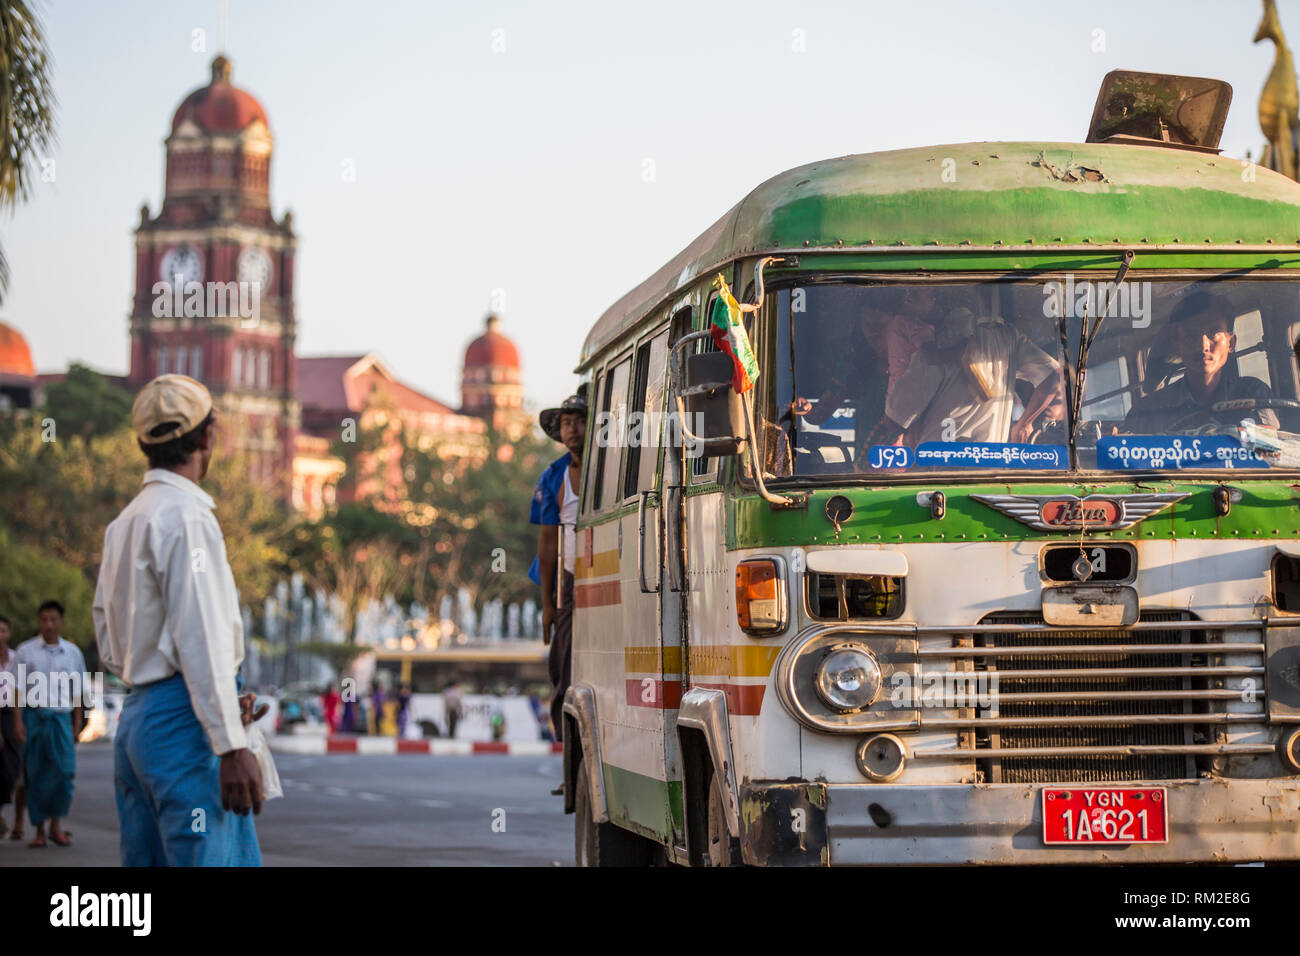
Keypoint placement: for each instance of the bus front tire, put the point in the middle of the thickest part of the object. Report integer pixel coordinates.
(723, 847)
(602, 844)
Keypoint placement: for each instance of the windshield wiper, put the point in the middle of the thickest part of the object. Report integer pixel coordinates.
(1075, 374)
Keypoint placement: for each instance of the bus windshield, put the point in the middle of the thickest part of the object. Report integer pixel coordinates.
(881, 379)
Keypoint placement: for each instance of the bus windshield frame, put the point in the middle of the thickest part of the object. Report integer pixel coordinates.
(947, 370)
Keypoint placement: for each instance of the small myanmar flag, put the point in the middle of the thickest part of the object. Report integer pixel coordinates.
(728, 333)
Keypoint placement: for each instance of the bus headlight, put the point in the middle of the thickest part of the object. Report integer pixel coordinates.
(848, 678)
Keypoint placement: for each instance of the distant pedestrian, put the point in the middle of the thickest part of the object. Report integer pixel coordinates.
(11, 731)
(329, 702)
(377, 710)
(452, 704)
(403, 709)
(52, 723)
(168, 623)
(348, 719)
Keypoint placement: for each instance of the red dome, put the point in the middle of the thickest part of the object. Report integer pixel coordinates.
(15, 356)
(492, 349)
(219, 107)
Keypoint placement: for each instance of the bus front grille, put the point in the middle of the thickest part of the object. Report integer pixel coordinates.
(1081, 706)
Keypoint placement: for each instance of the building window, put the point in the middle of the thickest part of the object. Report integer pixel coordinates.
(180, 361)
(264, 369)
(196, 362)
(162, 360)
(250, 367)
(237, 371)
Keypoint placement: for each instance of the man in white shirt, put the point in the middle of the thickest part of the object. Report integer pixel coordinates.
(52, 673)
(168, 623)
(962, 388)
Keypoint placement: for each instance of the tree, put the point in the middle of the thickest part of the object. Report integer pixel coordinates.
(257, 526)
(28, 577)
(86, 404)
(58, 497)
(474, 516)
(358, 554)
(26, 107)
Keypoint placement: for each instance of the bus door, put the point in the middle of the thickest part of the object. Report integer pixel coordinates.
(619, 569)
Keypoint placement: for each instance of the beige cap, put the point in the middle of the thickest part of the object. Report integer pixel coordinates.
(177, 400)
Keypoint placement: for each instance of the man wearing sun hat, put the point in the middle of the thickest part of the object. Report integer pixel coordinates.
(168, 623)
(555, 508)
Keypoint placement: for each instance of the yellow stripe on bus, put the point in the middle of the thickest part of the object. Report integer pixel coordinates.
(603, 564)
(707, 660)
(646, 660)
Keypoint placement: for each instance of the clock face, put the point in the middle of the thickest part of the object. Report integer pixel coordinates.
(184, 261)
(255, 267)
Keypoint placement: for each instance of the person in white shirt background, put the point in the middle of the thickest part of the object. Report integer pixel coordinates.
(53, 678)
(168, 623)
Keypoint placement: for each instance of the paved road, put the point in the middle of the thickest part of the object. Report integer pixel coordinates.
(344, 810)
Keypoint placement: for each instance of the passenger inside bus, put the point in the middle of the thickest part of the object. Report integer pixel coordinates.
(861, 373)
(1204, 345)
(962, 386)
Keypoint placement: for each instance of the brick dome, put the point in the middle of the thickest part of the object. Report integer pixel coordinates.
(220, 107)
(492, 349)
(15, 356)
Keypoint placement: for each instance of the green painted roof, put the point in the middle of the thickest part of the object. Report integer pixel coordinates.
(995, 194)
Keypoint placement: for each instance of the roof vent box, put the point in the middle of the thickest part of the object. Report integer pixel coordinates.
(1157, 109)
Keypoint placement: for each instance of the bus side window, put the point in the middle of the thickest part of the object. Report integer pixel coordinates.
(610, 421)
(591, 480)
(706, 469)
(647, 401)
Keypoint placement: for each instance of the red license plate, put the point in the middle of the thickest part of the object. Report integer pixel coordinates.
(1104, 816)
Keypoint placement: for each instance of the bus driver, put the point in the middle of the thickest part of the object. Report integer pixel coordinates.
(1204, 341)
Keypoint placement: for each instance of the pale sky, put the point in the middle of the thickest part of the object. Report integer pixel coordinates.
(524, 170)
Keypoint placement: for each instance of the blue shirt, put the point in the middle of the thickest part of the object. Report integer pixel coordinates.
(546, 504)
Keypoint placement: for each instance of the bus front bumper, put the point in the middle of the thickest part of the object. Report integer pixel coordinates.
(1218, 820)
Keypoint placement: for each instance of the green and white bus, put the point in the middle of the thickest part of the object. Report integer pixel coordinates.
(998, 561)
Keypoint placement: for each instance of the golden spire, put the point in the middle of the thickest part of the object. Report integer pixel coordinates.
(1279, 102)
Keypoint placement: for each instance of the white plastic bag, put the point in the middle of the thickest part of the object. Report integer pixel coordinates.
(262, 752)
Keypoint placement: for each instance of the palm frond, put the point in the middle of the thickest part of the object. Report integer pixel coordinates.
(26, 106)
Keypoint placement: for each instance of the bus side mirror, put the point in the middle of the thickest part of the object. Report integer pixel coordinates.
(715, 413)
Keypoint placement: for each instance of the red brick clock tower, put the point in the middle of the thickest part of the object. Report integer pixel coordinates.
(214, 276)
